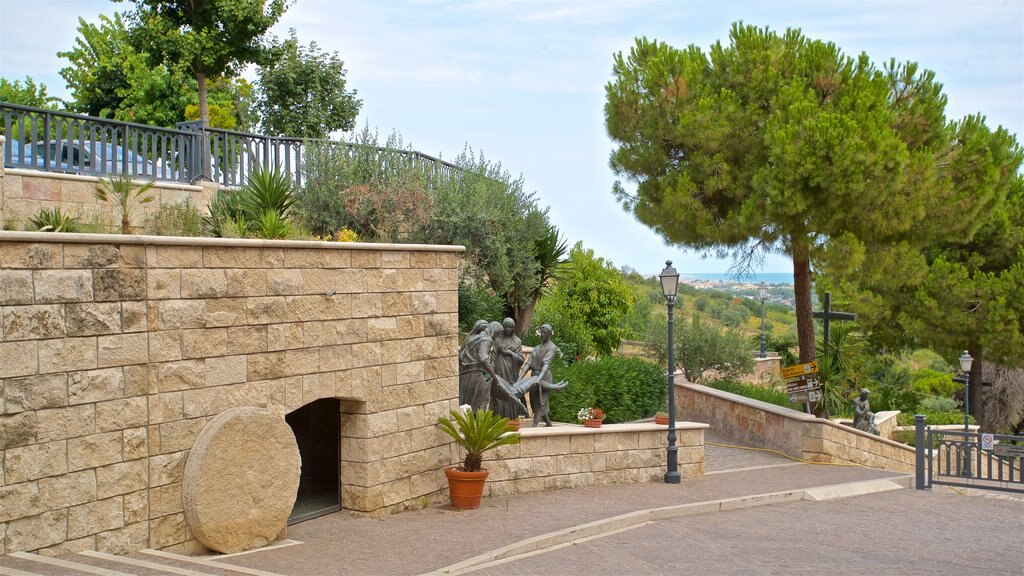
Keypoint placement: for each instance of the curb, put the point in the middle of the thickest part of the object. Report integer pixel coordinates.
(642, 517)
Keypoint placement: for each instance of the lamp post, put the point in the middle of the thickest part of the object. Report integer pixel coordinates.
(965, 367)
(762, 293)
(669, 286)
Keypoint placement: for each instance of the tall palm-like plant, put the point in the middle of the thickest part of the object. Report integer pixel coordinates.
(839, 361)
(125, 195)
(549, 254)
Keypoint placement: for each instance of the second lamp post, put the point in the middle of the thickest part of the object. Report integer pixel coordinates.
(669, 286)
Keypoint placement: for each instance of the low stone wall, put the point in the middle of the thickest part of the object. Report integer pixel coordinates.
(116, 351)
(569, 456)
(24, 192)
(794, 433)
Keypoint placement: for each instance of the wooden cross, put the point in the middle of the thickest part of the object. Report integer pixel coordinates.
(828, 315)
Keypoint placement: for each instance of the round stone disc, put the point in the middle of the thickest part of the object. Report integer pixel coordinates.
(241, 480)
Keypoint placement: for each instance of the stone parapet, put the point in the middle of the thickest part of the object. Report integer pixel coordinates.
(570, 456)
(794, 433)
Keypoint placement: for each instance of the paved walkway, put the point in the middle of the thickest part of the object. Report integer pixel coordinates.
(754, 512)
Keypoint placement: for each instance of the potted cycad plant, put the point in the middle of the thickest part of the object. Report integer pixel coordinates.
(477, 432)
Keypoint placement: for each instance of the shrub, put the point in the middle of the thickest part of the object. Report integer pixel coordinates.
(47, 220)
(476, 302)
(702, 347)
(934, 383)
(938, 404)
(771, 395)
(181, 219)
(626, 389)
(934, 418)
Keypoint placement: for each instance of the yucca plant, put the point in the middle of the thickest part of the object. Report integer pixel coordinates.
(272, 226)
(125, 195)
(53, 221)
(267, 191)
(477, 431)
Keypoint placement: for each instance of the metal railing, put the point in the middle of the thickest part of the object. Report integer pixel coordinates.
(966, 459)
(53, 141)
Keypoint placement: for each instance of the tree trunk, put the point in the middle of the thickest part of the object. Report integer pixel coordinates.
(802, 292)
(204, 106)
(523, 315)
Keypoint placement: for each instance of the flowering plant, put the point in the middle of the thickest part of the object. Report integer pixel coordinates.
(590, 414)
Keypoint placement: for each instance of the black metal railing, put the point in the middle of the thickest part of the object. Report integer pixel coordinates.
(53, 141)
(967, 459)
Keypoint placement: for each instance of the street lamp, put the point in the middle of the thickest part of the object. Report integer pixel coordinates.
(762, 293)
(965, 367)
(669, 286)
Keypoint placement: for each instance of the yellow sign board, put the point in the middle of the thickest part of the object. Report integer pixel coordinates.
(799, 370)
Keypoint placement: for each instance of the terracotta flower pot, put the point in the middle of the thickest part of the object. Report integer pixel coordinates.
(514, 424)
(465, 488)
(592, 422)
(663, 420)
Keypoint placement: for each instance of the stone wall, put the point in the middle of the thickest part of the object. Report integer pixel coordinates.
(115, 351)
(574, 456)
(794, 433)
(24, 192)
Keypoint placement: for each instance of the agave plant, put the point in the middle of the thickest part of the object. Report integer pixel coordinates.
(54, 220)
(477, 431)
(267, 191)
(125, 195)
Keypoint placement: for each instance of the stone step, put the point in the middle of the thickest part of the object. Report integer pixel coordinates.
(153, 563)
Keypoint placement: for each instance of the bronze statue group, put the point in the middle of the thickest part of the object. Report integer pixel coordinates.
(493, 373)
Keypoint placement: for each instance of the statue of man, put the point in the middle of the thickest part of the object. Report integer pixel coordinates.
(539, 367)
(863, 417)
(507, 359)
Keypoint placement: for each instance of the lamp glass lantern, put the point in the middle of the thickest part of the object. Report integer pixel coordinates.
(966, 361)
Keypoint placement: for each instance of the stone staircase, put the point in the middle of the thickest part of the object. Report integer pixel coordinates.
(142, 563)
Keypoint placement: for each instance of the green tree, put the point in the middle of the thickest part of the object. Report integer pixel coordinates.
(779, 143)
(210, 38)
(109, 78)
(702, 347)
(499, 223)
(26, 93)
(302, 92)
(587, 305)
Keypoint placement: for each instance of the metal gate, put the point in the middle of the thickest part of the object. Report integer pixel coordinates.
(967, 459)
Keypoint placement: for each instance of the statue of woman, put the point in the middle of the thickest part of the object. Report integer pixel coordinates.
(507, 359)
(474, 364)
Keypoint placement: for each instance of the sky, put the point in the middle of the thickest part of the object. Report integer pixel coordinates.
(522, 82)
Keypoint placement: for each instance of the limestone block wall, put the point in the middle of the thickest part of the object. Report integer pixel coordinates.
(115, 351)
(24, 192)
(795, 433)
(568, 456)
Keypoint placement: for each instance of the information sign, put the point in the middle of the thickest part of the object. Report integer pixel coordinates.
(1008, 450)
(806, 383)
(799, 370)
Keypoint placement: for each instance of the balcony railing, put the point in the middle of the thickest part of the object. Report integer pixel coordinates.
(51, 141)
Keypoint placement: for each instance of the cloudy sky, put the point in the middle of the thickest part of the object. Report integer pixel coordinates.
(523, 81)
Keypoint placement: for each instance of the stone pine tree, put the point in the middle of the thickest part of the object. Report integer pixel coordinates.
(211, 37)
(963, 294)
(779, 143)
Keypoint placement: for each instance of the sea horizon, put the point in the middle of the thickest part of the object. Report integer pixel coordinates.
(754, 278)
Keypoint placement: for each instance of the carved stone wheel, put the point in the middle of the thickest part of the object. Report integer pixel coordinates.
(241, 480)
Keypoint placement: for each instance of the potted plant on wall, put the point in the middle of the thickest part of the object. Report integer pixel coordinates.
(592, 417)
(477, 432)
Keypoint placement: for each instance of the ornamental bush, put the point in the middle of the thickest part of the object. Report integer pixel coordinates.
(626, 389)
(767, 394)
